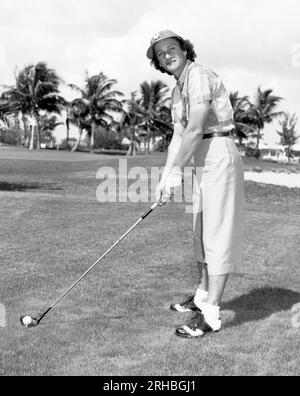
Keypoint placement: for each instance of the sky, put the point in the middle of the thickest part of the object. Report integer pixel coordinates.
(249, 43)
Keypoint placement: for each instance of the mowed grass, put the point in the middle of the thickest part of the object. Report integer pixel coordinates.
(116, 321)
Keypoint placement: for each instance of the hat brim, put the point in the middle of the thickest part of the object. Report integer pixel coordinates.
(150, 52)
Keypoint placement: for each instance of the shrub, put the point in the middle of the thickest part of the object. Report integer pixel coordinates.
(161, 146)
(12, 136)
(67, 146)
(107, 139)
(253, 152)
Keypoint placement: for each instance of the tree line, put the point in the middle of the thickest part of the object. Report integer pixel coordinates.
(35, 102)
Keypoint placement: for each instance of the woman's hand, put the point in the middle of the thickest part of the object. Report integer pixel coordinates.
(165, 188)
(160, 193)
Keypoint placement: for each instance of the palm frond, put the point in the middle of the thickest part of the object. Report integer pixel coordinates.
(246, 126)
(104, 86)
(110, 95)
(44, 88)
(77, 89)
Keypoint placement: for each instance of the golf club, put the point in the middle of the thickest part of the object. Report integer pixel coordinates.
(29, 321)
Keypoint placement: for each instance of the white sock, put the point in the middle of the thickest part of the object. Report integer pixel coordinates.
(211, 314)
(200, 296)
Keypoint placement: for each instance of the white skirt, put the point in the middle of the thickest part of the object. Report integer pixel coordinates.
(218, 195)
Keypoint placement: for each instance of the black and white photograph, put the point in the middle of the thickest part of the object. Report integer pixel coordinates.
(149, 191)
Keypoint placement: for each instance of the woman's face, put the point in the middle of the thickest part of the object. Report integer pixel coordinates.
(170, 56)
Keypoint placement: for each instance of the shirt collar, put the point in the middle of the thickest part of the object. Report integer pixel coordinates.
(180, 81)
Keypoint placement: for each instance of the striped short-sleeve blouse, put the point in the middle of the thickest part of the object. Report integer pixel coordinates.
(197, 84)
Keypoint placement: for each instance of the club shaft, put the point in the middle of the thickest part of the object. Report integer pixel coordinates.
(110, 249)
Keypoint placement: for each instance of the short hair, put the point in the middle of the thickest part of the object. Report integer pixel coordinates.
(185, 45)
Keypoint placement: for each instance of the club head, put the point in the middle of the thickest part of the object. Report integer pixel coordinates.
(28, 321)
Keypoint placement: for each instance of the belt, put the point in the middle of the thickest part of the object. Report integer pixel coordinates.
(217, 134)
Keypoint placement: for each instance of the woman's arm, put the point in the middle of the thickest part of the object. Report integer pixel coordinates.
(192, 136)
(181, 150)
(173, 150)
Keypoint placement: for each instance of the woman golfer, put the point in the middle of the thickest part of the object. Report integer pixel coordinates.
(203, 124)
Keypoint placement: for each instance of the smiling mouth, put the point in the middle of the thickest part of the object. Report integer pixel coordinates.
(170, 63)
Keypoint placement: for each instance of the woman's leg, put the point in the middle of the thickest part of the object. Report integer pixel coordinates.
(203, 276)
(216, 288)
(202, 291)
(201, 294)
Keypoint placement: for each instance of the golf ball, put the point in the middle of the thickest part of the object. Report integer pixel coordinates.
(26, 320)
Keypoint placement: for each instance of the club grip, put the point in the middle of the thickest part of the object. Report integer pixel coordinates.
(149, 210)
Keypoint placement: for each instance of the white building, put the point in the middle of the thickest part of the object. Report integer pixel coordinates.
(277, 153)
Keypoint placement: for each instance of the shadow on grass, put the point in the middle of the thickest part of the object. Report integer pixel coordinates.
(260, 304)
(17, 186)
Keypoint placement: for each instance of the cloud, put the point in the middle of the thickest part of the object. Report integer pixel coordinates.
(73, 18)
(247, 42)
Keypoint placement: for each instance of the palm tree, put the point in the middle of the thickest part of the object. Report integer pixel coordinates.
(9, 109)
(10, 128)
(132, 120)
(287, 134)
(47, 126)
(36, 90)
(4, 111)
(153, 100)
(166, 129)
(79, 116)
(241, 115)
(262, 111)
(68, 116)
(100, 101)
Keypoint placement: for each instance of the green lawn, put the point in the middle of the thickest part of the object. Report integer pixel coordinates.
(117, 321)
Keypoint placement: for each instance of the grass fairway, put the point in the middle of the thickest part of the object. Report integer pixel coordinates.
(116, 321)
